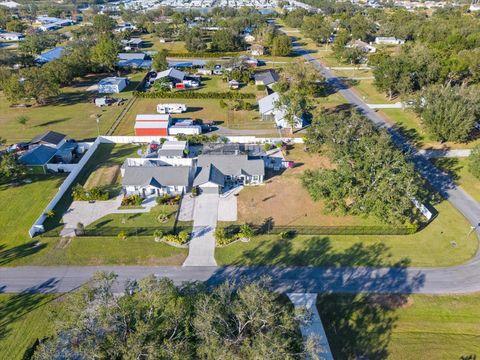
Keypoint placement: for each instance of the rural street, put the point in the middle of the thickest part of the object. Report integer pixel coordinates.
(458, 279)
(440, 181)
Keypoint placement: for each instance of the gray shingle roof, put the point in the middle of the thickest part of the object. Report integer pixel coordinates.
(267, 104)
(209, 174)
(233, 165)
(267, 77)
(156, 176)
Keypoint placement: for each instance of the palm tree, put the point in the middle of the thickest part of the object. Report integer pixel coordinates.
(246, 232)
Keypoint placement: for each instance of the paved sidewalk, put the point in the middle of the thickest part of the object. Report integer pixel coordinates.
(87, 213)
(307, 301)
(201, 250)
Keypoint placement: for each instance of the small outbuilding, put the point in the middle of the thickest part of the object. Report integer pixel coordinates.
(112, 85)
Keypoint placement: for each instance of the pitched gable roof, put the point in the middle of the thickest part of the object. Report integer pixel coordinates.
(49, 137)
(38, 156)
(157, 176)
(267, 77)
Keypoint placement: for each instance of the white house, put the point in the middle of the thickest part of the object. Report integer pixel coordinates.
(112, 85)
(257, 50)
(381, 40)
(363, 46)
(151, 180)
(249, 38)
(11, 36)
(269, 110)
(216, 172)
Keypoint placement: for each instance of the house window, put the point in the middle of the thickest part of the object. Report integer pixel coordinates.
(255, 178)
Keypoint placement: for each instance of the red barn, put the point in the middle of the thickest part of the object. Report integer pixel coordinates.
(152, 125)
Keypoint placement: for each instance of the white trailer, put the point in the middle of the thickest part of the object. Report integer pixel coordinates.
(185, 130)
(171, 108)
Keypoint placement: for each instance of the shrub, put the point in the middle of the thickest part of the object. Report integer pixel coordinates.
(222, 238)
(168, 199)
(179, 239)
(197, 139)
(122, 235)
(246, 231)
(50, 214)
(267, 146)
(195, 191)
(132, 200)
(189, 94)
(79, 193)
(158, 234)
(261, 87)
(80, 229)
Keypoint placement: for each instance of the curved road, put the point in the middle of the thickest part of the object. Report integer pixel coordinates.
(458, 279)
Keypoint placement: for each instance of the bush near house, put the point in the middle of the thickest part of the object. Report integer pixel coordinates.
(168, 199)
(181, 238)
(79, 193)
(132, 200)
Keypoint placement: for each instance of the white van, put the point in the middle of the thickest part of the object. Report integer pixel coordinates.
(171, 108)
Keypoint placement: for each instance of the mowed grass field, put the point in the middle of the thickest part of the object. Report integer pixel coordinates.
(71, 113)
(24, 318)
(21, 205)
(390, 327)
(204, 109)
(443, 242)
(417, 327)
(458, 167)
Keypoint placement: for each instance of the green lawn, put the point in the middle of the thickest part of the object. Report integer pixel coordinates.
(23, 319)
(205, 109)
(367, 91)
(142, 220)
(431, 246)
(400, 327)
(107, 250)
(410, 125)
(20, 206)
(458, 167)
(72, 113)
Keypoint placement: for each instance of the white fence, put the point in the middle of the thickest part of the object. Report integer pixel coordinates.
(62, 167)
(235, 139)
(38, 225)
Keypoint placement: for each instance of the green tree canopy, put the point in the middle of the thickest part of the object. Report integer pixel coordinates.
(105, 53)
(281, 46)
(154, 319)
(371, 176)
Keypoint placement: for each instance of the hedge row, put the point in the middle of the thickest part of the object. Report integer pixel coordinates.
(229, 95)
(329, 230)
(204, 54)
(112, 231)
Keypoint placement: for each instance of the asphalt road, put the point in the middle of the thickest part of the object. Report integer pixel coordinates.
(440, 181)
(458, 279)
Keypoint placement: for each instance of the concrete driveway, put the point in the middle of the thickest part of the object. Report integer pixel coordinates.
(201, 249)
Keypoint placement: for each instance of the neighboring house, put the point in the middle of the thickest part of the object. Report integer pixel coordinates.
(266, 78)
(112, 85)
(363, 46)
(134, 60)
(216, 172)
(249, 38)
(257, 50)
(132, 44)
(11, 36)
(172, 75)
(152, 124)
(50, 147)
(233, 84)
(50, 55)
(149, 180)
(10, 4)
(48, 23)
(173, 149)
(269, 111)
(51, 139)
(380, 40)
(125, 27)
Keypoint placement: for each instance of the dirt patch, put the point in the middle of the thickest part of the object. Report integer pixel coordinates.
(285, 200)
(103, 176)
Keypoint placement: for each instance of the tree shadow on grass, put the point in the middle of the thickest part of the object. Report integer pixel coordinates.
(19, 305)
(9, 254)
(358, 324)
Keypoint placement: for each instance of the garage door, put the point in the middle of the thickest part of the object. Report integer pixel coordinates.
(209, 189)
